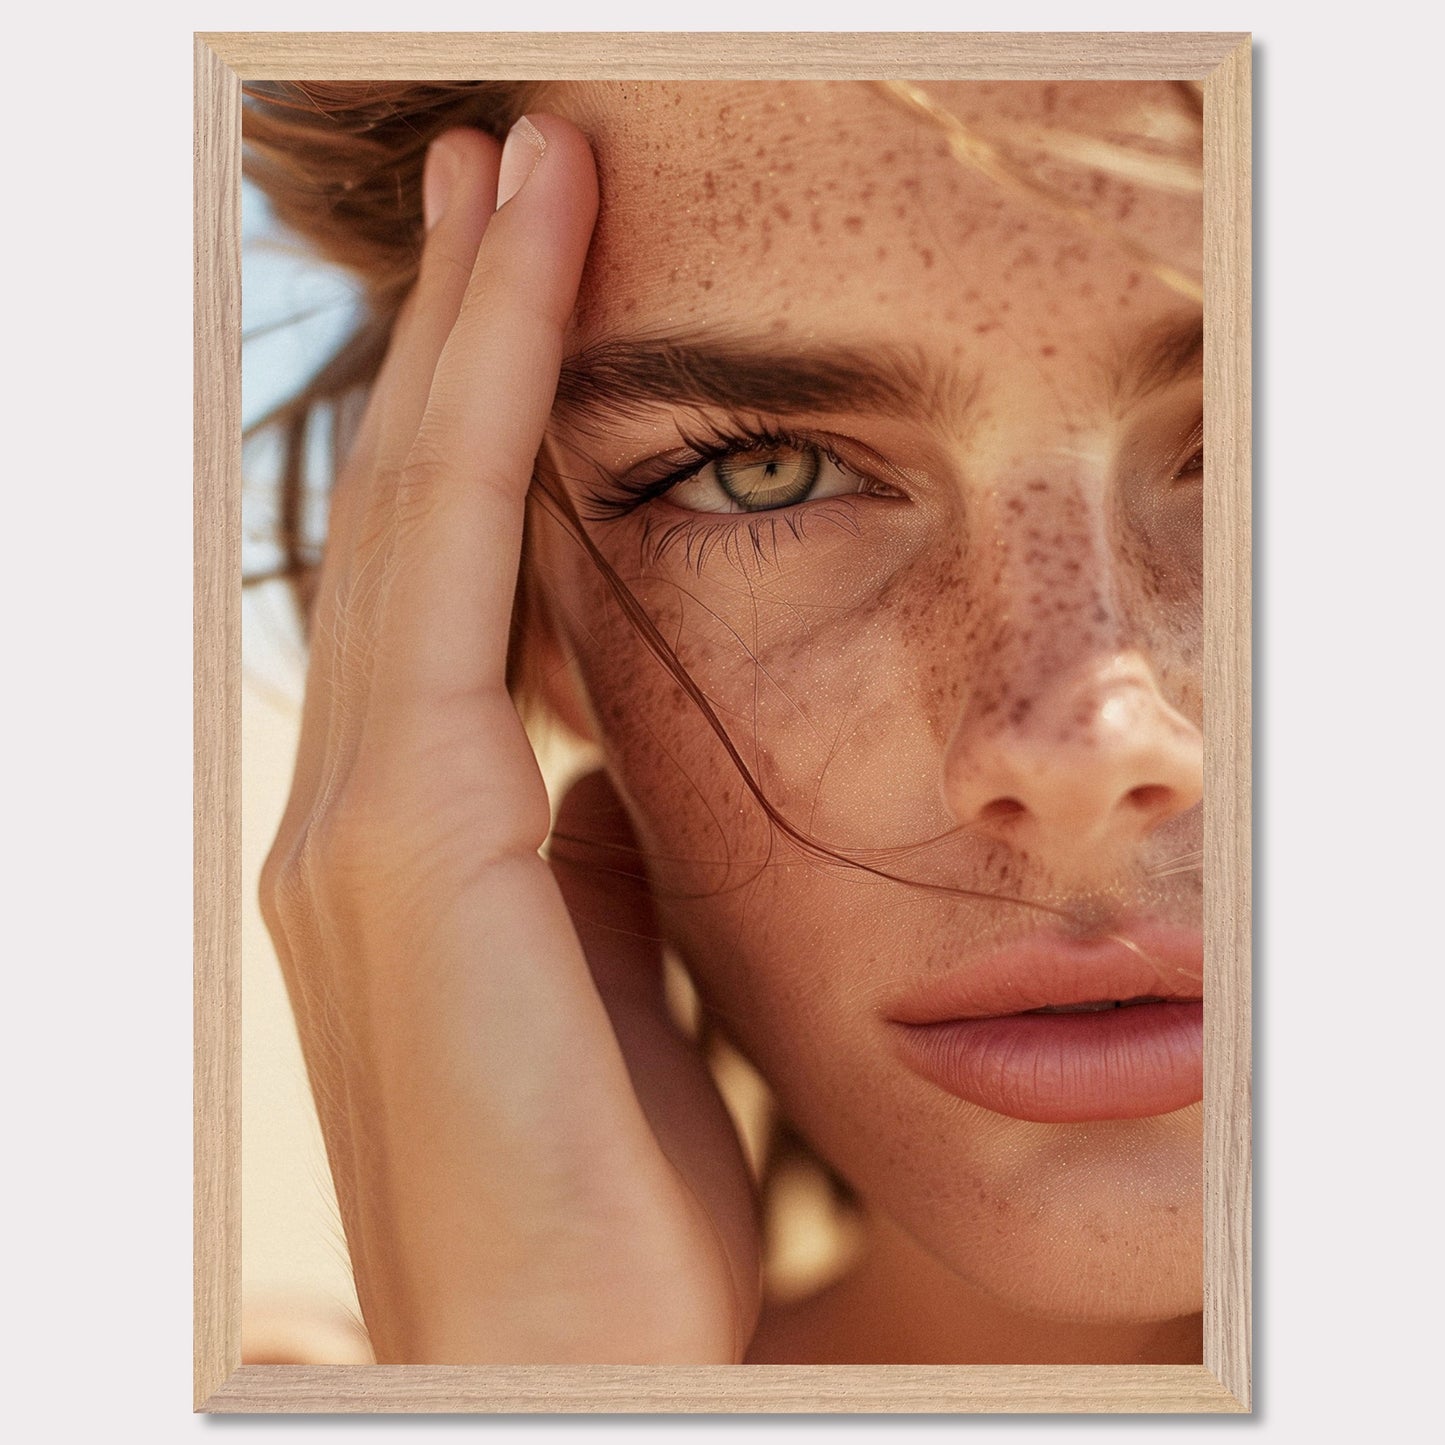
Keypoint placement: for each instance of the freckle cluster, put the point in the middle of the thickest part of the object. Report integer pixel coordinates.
(767, 219)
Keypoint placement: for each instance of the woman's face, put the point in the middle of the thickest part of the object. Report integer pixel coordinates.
(902, 457)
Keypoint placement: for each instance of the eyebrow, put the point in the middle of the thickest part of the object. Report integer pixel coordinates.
(626, 376)
(1164, 354)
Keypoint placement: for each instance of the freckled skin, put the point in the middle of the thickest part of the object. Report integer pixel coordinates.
(870, 670)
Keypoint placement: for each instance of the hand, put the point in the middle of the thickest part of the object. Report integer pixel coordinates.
(531, 1163)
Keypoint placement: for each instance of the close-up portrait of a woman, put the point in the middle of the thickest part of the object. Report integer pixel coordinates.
(739, 884)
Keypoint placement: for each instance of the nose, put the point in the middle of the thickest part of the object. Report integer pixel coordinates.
(1096, 758)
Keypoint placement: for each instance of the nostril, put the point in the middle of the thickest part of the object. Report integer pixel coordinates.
(1149, 797)
(1001, 808)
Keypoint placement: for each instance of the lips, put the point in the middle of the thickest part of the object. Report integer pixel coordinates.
(1063, 1030)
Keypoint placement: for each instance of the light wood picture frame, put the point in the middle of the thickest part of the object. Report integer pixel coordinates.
(1221, 62)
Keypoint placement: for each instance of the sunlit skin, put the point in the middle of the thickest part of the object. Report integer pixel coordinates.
(864, 541)
(929, 672)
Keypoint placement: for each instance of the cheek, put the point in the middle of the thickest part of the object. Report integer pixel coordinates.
(833, 678)
(695, 817)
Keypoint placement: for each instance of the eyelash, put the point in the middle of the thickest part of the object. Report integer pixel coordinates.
(643, 484)
(741, 537)
(1191, 455)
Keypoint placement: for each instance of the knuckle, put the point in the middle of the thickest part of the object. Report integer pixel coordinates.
(504, 284)
(271, 886)
(442, 271)
(489, 280)
(311, 867)
(344, 838)
(285, 890)
(526, 321)
(420, 478)
(424, 484)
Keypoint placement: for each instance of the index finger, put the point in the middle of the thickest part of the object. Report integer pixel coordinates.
(362, 500)
(457, 537)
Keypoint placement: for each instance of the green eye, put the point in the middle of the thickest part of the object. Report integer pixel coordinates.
(772, 477)
(764, 474)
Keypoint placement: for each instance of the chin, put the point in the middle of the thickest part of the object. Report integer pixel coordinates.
(1096, 1223)
(1117, 1290)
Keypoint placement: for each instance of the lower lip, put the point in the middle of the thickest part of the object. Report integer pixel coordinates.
(1119, 1063)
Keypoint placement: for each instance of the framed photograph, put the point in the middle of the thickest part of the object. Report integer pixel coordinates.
(740, 859)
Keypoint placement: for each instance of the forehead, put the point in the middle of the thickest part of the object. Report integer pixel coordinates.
(829, 210)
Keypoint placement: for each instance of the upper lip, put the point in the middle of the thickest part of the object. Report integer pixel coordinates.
(1050, 969)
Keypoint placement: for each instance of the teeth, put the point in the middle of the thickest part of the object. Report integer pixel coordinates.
(1093, 1008)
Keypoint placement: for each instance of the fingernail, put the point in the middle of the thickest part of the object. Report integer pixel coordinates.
(438, 177)
(524, 148)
